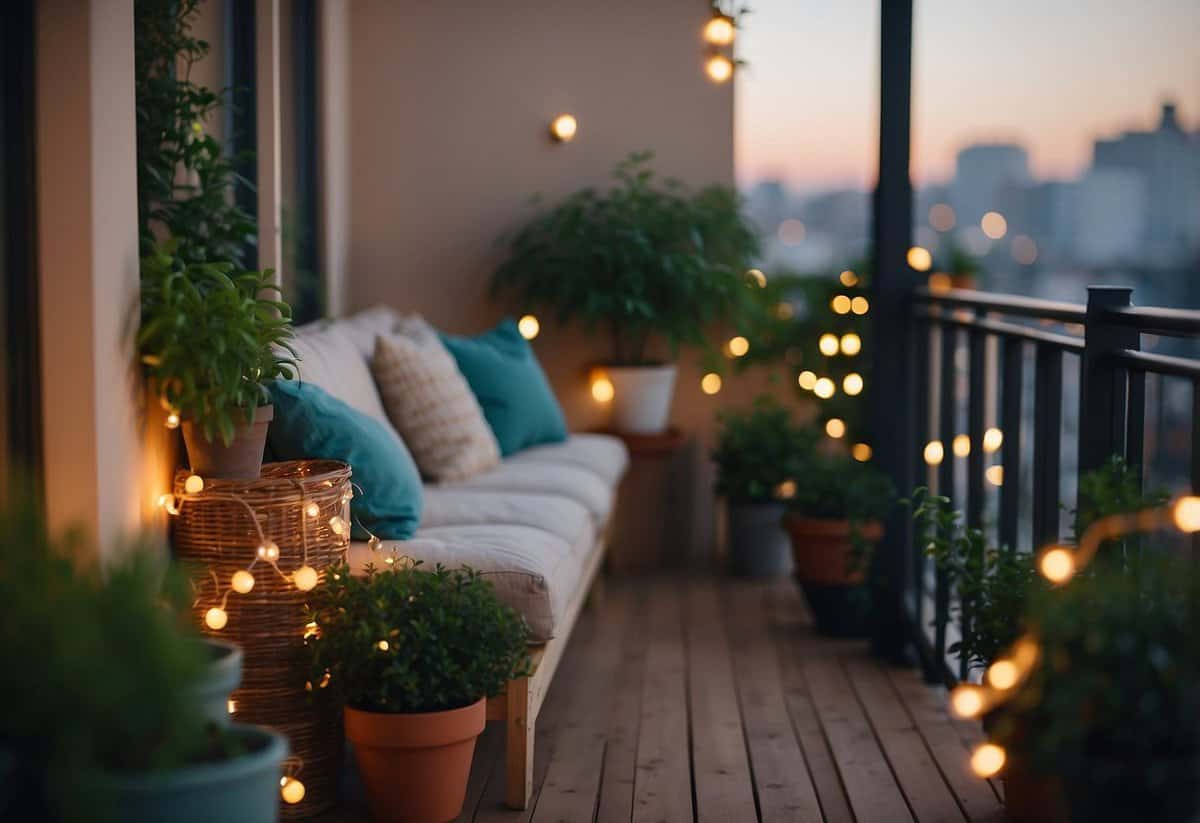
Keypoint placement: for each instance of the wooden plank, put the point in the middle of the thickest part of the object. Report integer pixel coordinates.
(869, 782)
(573, 778)
(784, 787)
(663, 787)
(928, 795)
(978, 798)
(795, 642)
(488, 760)
(720, 765)
(620, 752)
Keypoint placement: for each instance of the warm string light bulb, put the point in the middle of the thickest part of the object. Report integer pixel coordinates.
(194, 484)
(841, 304)
(859, 305)
(1186, 514)
(168, 502)
(603, 390)
(828, 344)
(961, 445)
(852, 384)
(738, 346)
(824, 388)
(291, 790)
(988, 759)
(172, 421)
(216, 618)
(719, 68)
(786, 490)
(835, 427)
(383, 645)
(1003, 674)
(305, 578)
(312, 509)
(231, 706)
(848, 279)
(720, 30)
(563, 128)
(919, 258)
(861, 452)
(807, 380)
(242, 582)
(758, 277)
(934, 453)
(1057, 564)
(710, 383)
(851, 344)
(994, 475)
(993, 439)
(337, 525)
(529, 326)
(268, 551)
(966, 700)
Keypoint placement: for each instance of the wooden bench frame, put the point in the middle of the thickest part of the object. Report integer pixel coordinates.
(521, 701)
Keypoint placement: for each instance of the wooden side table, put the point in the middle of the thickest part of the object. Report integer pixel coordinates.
(649, 506)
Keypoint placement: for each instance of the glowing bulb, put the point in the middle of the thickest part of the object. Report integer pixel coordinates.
(603, 390)
(268, 551)
(987, 759)
(719, 30)
(852, 384)
(563, 128)
(1187, 514)
(242, 581)
(312, 509)
(940, 282)
(848, 278)
(807, 380)
(194, 484)
(786, 490)
(859, 305)
(995, 475)
(529, 326)
(758, 277)
(337, 525)
(840, 304)
(216, 618)
(994, 225)
(710, 383)
(291, 790)
(934, 453)
(172, 421)
(919, 258)
(311, 629)
(305, 578)
(738, 346)
(966, 701)
(231, 705)
(824, 388)
(861, 452)
(828, 344)
(961, 445)
(382, 645)
(168, 502)
(719, 68)
(851, 344)
(993, 438)
(1002, 674)
(1057, 565)
(835, 427)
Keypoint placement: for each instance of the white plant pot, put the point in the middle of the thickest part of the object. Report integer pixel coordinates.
(642, 395)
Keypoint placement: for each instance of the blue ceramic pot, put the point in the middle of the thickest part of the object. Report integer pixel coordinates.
(222, 676)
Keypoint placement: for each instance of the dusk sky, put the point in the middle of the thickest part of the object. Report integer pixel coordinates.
(1049, 74)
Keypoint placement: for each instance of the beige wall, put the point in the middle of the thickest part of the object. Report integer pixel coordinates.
(449, 108)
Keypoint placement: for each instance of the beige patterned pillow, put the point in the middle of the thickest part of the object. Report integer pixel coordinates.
(432, 407)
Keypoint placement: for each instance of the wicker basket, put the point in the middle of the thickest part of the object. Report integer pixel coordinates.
(216, 535)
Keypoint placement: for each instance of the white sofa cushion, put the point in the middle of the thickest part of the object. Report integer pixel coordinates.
(581, 485)
(433, 408)
(329, 360)
(481, 507)
(601, 454)
(363, 327)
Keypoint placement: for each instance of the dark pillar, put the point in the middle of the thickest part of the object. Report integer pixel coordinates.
(892, 424)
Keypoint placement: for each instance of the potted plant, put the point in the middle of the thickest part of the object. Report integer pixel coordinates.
(413, 655)
(644, 262)
(834, 521)
(758, 453)
(110, 722)
(210, 341)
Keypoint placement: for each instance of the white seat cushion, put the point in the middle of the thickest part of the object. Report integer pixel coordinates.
(531, 477)
(561, 516)
(601, 454)
(362, 328)
(329, 360)
(533, 571)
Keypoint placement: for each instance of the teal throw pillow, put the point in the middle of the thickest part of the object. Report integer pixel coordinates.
(311, 424)
(505, 376)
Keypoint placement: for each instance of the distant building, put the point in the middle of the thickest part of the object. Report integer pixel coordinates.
(981, 172)
(1111, 211)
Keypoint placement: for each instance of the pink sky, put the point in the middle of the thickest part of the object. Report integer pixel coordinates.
(1050, 74)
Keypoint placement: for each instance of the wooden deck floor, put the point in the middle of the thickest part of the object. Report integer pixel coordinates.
(703, 699)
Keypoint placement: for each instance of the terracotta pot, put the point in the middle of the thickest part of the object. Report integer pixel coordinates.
(415, 766)
(240, 460)
(823, 550)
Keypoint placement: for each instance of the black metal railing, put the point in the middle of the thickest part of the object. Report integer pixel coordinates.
(985, 361)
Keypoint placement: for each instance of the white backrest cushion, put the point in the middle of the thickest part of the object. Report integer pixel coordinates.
(330, 360)
(362, 328)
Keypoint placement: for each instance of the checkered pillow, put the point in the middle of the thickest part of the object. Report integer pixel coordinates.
(432, 407)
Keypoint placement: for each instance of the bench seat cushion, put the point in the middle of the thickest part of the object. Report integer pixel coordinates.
(578, 484)
(560, 516)
(601, 454)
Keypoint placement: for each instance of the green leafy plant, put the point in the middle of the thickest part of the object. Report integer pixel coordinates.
(406, 639)
(759, 449)
(641, 260)
(1115, 488)
(836, 487)
(101, 663)
(211, 341)
(185, 181)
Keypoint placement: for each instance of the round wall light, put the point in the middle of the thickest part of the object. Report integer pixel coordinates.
(719, 68)
(720, 30)
(563, 128)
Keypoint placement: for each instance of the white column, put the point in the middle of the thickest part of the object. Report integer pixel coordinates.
(270, 186)
(333, 147)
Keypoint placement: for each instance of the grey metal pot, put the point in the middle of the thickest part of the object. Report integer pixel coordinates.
(758, 545)
(222, 676)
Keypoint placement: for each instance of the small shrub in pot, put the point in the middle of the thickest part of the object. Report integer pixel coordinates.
(413, 654)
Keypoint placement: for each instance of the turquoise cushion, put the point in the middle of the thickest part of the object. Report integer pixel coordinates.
(310, 424)
(517, 400)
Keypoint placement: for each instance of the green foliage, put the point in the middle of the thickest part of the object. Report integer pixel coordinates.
(99, 672)
(1117, 676)
(208, 340)
(993, 584)
(185, 183)
(759, 449)
(834, 486)
(640, 260)
(1115, 488)
(449, 641)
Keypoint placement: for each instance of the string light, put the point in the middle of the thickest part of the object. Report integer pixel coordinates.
(311, 629)
(861, 452)
(563, 128)
(835, 427)
(851, 344)
(852, 384)
(934, 453)
(940, 282)
(337, 525)
(720, 30)
(738, 346)
(841, 304)
(231, 706)
(994, 475)
(786, 490)
(529, 326)
(988, 759)
(168, 502)
(242, 581)
(848, 279)
(719, 68)
(382, 645)
(993, 438)
(710, 383)
(1057, 565)
(966, 701)
(172, 421)
(961, 445)
(194, 484)
(758, 277)
(1186, 514)
(291, 790)
(919, 258)
(1003, 674)
(824, 388)
(807, 380)
(859, 305)
(828, 344)
(216, 618)
(305, 578)
(312, 509)
(994, 225)
(603, 390)
(269, 551)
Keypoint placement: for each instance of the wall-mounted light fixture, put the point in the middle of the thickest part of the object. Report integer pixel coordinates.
(563, 128)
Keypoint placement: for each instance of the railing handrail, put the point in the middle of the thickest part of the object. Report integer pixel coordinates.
(1156, 320)
(1007, 303)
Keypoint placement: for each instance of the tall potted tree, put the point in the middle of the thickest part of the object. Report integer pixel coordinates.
(645, 262)
(413, 656)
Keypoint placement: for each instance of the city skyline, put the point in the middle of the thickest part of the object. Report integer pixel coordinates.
(807, 117)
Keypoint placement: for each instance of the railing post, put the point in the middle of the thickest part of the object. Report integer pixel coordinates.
(1104, 390)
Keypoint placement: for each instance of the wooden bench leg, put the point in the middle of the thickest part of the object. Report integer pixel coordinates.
(521, 723)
